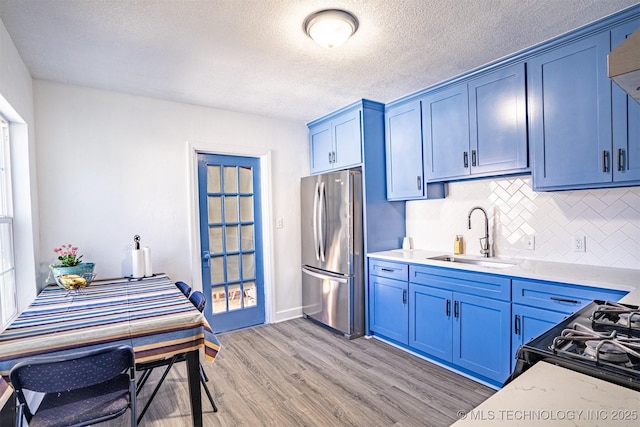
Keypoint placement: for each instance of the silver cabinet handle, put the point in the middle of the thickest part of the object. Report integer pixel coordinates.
(473, 157)
(516, 325)
(465, 159)
(419, 182)
(447, 310)
(605, 160)
(404, 296)
(330, 161)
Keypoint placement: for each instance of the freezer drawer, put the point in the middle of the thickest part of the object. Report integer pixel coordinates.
(333, 301)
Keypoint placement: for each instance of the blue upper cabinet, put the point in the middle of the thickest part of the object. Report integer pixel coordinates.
(403, 145)
(477, 128)
(404, 159)
(336, 141)
(498, 122)
(626, 120)
(445, 128)
(584, 130)
(570, 115)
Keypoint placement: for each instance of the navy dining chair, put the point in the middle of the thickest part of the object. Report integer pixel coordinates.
(199, 301)
(184, 288)
(78, 389)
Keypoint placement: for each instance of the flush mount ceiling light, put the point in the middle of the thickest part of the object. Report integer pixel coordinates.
(331, 27)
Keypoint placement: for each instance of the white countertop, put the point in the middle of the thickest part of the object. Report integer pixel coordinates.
(548, 395)
(624, 279)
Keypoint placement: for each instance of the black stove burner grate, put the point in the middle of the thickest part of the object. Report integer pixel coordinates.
(599, 340)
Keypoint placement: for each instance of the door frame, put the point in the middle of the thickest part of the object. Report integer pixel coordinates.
(264, 155)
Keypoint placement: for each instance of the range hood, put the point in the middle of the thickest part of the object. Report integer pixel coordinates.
(624, 65)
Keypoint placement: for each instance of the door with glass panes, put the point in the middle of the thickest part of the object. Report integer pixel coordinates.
(230, 231)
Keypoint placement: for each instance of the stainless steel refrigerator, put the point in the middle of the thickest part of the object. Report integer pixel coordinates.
(332, 251)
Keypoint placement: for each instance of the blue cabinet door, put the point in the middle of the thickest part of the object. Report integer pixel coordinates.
(403, 143)
(498, 122)
(336, 143)
(430, 315)
(321, 147)
(389, 309)
(570, 114)
(445, 121)
(481, 336)
(626, 120)
(529, 322)
(347, 140)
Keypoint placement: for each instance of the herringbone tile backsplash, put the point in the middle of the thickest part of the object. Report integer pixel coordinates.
(608, 218)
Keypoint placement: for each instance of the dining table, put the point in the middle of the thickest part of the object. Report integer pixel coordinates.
(149, 314)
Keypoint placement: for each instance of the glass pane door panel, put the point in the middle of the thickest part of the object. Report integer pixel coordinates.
(247, 237)
(235, 297)
(232, 238)
(217, 270)
(233, 268)
(250, 294)
(231, 208)
(213, 179)
(246, 208)
(246, 180)
(215, 209)
(219, 299)
(215, 239)
(230, 179)
(248, 266)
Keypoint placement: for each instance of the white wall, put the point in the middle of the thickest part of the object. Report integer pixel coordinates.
(112, 165)
(608, 218)
(16, 105)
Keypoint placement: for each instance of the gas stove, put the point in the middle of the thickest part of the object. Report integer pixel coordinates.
(602, 340)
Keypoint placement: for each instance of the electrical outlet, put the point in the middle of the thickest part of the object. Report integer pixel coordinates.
(280, 223)
(579, 243)
(529, 242)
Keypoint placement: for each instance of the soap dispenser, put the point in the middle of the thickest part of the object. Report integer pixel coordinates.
(457, 245)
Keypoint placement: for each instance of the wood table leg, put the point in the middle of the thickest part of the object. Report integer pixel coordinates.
(193, 374)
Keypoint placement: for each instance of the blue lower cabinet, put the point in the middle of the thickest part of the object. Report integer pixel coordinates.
(529, 322)
(468, 331)
(389, 308)
(430, 317)
(481, 338)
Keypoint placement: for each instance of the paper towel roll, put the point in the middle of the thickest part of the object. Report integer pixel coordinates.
(137, 263)
(148, 270)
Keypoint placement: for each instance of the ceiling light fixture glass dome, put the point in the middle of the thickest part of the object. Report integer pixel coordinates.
(331, 28)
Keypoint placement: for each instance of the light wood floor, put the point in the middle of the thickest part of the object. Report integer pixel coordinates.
(297, 373)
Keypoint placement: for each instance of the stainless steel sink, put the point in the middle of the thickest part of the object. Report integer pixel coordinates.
(486, 262)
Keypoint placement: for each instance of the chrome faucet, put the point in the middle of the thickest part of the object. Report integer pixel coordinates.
(485, 248)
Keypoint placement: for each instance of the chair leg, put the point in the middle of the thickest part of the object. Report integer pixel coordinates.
(143, 379)
(206, 389)
(155, 390)
(204, 379)
(132, 402)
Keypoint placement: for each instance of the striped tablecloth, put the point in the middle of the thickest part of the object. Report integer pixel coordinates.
(151, 315)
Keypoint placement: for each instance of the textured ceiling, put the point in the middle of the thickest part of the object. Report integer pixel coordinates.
(253, 55)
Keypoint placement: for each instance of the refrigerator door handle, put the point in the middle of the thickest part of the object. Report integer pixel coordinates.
(325, 276)
(322, 220)
(316, 196)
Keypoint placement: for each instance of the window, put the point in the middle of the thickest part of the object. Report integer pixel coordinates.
(8, 303)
